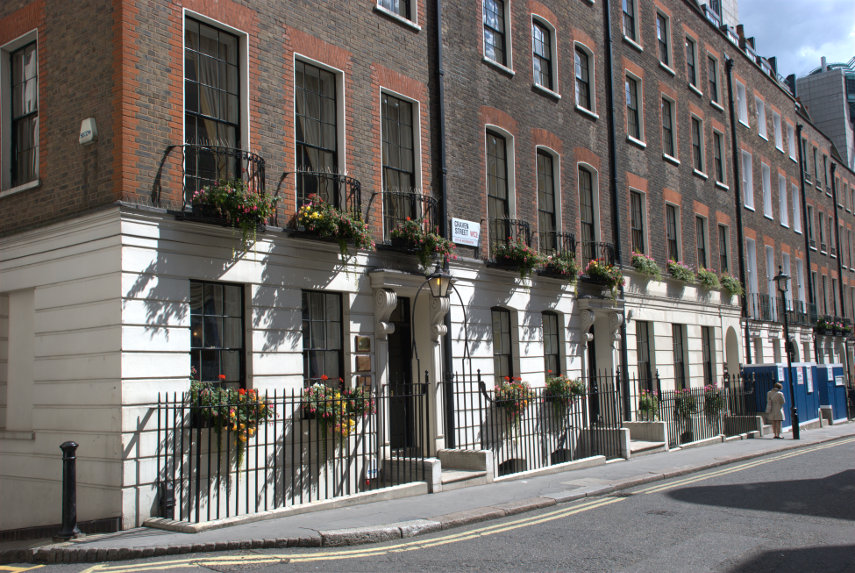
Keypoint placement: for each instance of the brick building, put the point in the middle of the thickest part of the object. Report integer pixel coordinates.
(556, 125)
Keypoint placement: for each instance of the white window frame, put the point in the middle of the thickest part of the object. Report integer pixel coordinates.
(791, 142)
(779, 135)
(760, 113)
(644, 223)
(715, 98)
(639, 96)
(771, 289)
(556, 182)
(678, 228)
(243, 46)
(721, 147)
(509, 53)
(747, 179)
(742, 103)
(669, 44)
(635, 38)
(595, 186)
(553, 60)
(766, 186)
(693, 85)
(412, 21)
(701, 142)
(783, 208)
(6, 113)
(510, 160)
(800, 278)
(706, 245)
(752, 283)
(787, 269)
(797, 209)
(675, 139)
(341, 133)
(592, 79)
(417, 134)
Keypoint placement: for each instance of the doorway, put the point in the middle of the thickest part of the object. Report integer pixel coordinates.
(402, 434)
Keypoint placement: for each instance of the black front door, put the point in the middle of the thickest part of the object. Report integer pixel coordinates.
(401, 405)
(593, 378)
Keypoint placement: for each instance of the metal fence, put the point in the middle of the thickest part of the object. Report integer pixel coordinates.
(240, 456)
(540, 432)
(699, 413)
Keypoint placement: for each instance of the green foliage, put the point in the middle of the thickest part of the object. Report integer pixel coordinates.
(241, 206)
(561, 390)
(516, 253)
(513, 395)
(731, 284)
(713, 400)
(681, 271)
(646, 266)
(562, 264)
(320, 217)
(708, 279)
(336, 410)
(648, 405)
(427, 244)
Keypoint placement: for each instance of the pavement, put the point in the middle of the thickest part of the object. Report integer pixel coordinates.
(407, 517)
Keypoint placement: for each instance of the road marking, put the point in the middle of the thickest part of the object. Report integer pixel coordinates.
(415, 545)
(11, 569)
(260, 559)
(740, 467)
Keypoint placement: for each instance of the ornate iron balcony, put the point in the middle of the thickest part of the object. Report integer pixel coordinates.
(398, 206)
(340, 191)
(597, 250)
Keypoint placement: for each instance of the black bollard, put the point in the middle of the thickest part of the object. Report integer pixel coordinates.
(69, 492)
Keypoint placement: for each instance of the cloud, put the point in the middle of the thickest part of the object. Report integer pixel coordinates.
(799, 33)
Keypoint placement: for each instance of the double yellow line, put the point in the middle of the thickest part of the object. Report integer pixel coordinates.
(415, 545)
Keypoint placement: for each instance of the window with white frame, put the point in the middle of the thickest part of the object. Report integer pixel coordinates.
(496, 39)
(316, 114)
(547, 220)
(498, 185)
(723, 241)
(588, 210)
(797, 209)
(820, 225)
(630, 19)
(19, 96)
(637, 216)
(779, 134)
(760, 111)
(817, 181)
(741, 103)
(800, 281)
(791, 141)
(584, 71)
(217, 352)
(503, 346)
(399, 159)
(323, 336)
(543, 53)
(669, 146)
(766, 181)
(697, 144)
(747, 180)
(701, 241)
(634, 119)
(692, 61)
(770, 279)
(782, 201)
(787, 269)
(810, 226)
(718, 158)
(663, 38)
(212, 103)
(399, 8)
(712, 77)
(551, 344)
(672, 231)
(751, 267)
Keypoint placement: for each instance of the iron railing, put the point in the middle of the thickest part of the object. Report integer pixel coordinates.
(340, 191)
(203, 165)
(398, 206)
(761, 307)
(210, 471)
(553, 243)
(508, 231)
(591, 250)
(545, 432)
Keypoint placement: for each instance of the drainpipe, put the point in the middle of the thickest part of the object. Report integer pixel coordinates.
(447, 357)
(737, 186)
(838, 246)
(811, 294)
(613, 175)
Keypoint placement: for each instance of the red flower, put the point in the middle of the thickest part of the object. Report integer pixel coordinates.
(324, 377)
(222, 376)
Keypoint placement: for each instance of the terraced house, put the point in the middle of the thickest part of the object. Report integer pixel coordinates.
(262, 197)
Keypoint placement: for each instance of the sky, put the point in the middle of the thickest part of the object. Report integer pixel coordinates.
(799, 32)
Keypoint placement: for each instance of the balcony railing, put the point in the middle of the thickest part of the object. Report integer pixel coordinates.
(597, 250)
(761, 307)
(340, 191)
(507, 231)
(203, 165)
(398, 206)
(553, 243)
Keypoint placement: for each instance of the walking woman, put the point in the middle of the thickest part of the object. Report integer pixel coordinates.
(775, 409)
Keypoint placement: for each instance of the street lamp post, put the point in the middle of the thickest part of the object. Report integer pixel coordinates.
(782, 281)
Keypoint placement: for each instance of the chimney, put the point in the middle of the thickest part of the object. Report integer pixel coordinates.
(791, 81)
(750, 42)
(740, 32)
(773, 63)
(823, 64)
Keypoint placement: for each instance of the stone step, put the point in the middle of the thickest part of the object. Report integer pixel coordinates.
(457, 479)
(639, 447)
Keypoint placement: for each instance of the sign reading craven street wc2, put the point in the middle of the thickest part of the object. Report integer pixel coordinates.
(465, 232)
